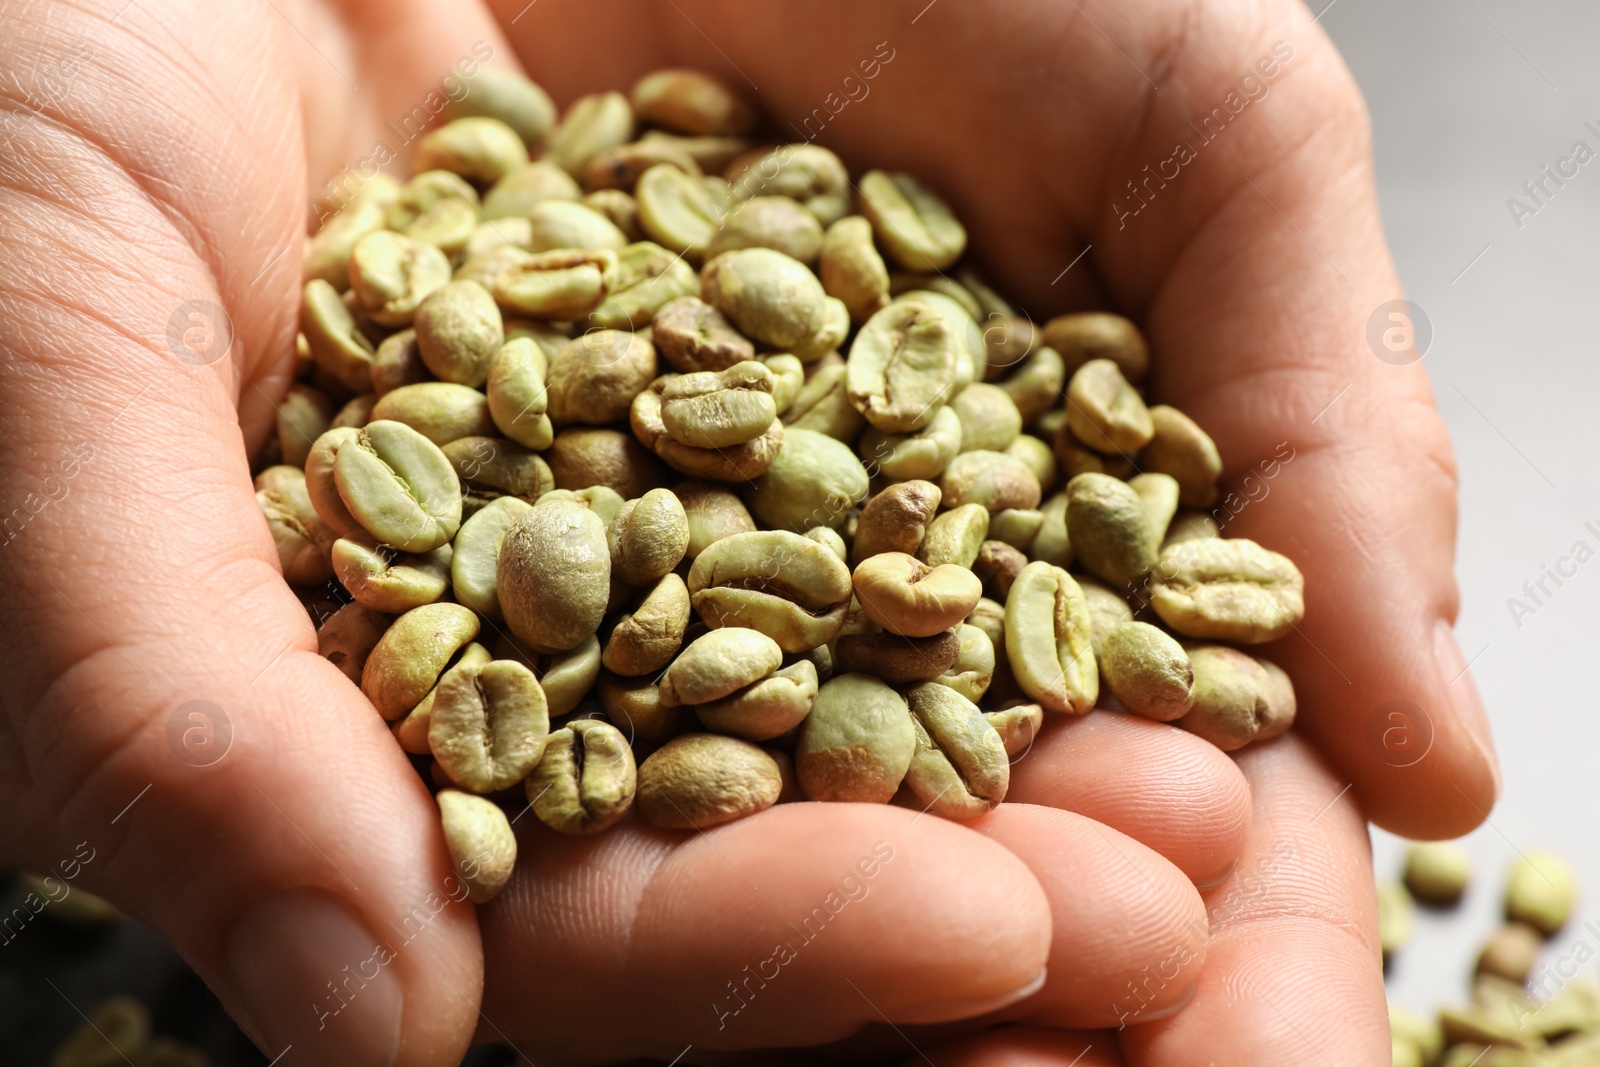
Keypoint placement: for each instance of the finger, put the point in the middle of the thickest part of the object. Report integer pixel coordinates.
(272, 833)
(1128, 929)
(1261, 273)
(1026, 1046)
(795, 926)
(1163, 787)
(1293, 974)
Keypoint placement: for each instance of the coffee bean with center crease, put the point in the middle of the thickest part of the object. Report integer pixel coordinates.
(586, 779)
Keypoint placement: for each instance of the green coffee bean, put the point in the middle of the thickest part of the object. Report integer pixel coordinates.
(973, 668)
(857, 743)
(489, 725)
(697, 781)
(713, 513)
(1158, 495)
(480, 148)
(1091, 335)
(1228, 590)
(337, 343)
(327, 252)
(905, 596)
(1109, 531)
(1052, 543)
(594, 378)
(691, 335)
(1147, 671)
(412, 731)
(523, 188)
(1540, 891)
(813, 480)
(1017, 527)
(717, 409)
(1049, 641)
(998, 565)
(895, 659)
(831, 539)
(389, 581)
(959, 769)
(563, 284)
(618, 169)
(648, 277)
(1105, 412)
(734, 463)
(790, 588)
(348, 637)
(1017, 726)
(586, 779)
(566, 224)
(581, 457)
(1396, 916)
(476, 554)
(766, 708)
(591, 125)
(1437, 872)
(1511, 952)
(648, 538)
(902, 366)
(518, 403)
(1182, 449)
(554, 575)
(789, 377)
(955, 536)
(717, 663)
(1107, 611)
(407, 661)
(768, 296)
(896, 519)
(478, 837)
(1237, 697)
(688, 101)
(993, 479)
(302, 539)
(912, 224)
(922, 454)
(398, 486)
(1036, 385)
(391, 275)
(440, 411)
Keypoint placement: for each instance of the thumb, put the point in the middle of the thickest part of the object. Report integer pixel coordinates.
(171, 738)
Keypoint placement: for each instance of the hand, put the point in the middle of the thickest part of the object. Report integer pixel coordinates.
(1255, 271)
(157, 155)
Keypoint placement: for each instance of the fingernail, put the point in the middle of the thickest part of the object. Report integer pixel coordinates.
(1463, 694)
(939, 1011)
(312, 976)
(1212, 883)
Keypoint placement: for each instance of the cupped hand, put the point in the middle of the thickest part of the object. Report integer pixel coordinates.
(171, 731)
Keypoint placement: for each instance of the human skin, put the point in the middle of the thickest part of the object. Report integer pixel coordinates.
(174, 163)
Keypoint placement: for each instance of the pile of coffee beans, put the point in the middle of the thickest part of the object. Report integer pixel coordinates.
(637, 437)
(1514, 1018)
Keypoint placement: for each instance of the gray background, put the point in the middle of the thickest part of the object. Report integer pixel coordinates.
(1469, 99)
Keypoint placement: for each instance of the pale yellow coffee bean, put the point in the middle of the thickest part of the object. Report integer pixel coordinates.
(488, 726)
(1540, 891)
(805, 172)
(774, 222)
(591, 125)
(389, 581)
(585, 781)
(398, 486)
(1035, 386)
(1017, 726)
(1182, 449)
(766, 708)
(304, 415)
(390, 276)
(407, 661)
(914, 226)
(990, 420)
(1107, 611)
(1049, 639)
(1158, 496)
(1090, 335)
(689, 102)
(1105, 412)
(677, 210)
(790, 588)
(1237, 697)
(713, 513)
(973, 669)
(813, 480)
(959, 769)
(1147, 671)
(479, 148)
(896, 519)
(563, 284)
(440, 411)
(556, 224)
(823, 401)
(905, 596)
(518, 401)
(1228, 590)
(648, 538)
(348, 636)
(593, 380)
(459, 330)
(697, 781)
(735, 463)
(618, 169)
(646, 638)
(554, 575)
(648, 278)
(925, 453)
(412, 731)
(478, 836)
(902, 366)
(716, 409)
(1108, 529)
(521, 188)
(476, 554)
(336, 341)
(302, 539)
(955, 536)
(857, 743)
(993, 479)
(851, 268)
